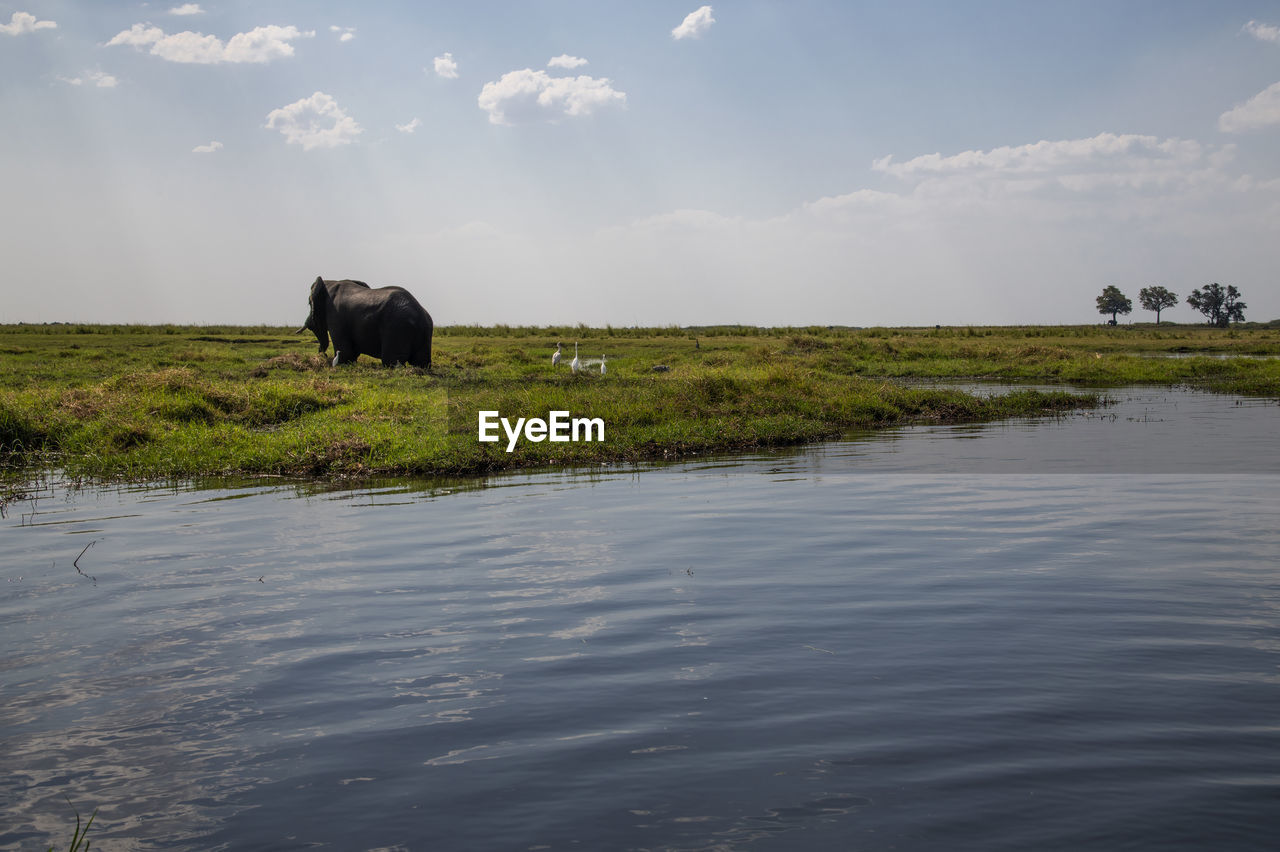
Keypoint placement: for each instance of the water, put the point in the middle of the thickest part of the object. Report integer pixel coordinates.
(1144, 430)
(1203, 355)
(936, 638)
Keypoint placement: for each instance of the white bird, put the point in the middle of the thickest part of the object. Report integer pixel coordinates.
(575, 364)
(555, 356)
(602, 365)
(336, 356)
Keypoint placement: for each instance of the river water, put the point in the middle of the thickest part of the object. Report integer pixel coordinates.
(1061, 634)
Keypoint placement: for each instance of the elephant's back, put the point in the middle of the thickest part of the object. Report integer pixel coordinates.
(397, 299)
(403, 303)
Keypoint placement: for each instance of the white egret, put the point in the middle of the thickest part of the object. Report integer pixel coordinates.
(575, 364)
(336, 356)
(555, 356)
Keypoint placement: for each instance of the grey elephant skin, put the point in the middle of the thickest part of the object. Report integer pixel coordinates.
(381, 322)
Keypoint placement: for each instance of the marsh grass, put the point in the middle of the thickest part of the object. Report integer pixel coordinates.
(172, 401)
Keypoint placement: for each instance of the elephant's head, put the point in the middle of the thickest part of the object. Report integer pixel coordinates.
(316, 320)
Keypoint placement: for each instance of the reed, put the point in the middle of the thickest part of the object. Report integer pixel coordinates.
(80, 839)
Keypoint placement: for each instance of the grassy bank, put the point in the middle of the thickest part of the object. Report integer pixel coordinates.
(162, 401)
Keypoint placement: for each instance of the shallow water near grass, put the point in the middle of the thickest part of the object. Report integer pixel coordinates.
(1057, 634)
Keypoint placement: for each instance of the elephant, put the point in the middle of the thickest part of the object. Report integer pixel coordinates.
(381, 322)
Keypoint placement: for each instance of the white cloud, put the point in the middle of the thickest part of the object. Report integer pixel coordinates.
(187, 9)
(1263, 32)
(694, 24)
(261, 44)
(207, 149)
(564, 60)
(100, 79)
(688, 221)
(1261, 110)
(446, 67)
(25, 22)
(1116, 178)
(529, 95)
(1073, 166)
(1047, 156)
(346, 33)
(182, 47)
(410, 127)
(314, 122)
(867, 203)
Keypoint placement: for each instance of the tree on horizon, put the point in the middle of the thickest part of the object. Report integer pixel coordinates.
(1113, 302)
(1220, 304)
(1156, 298)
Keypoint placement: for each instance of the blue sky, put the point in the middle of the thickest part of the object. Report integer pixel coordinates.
(647, 163)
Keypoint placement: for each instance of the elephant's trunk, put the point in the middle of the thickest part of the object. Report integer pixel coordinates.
(316, 317)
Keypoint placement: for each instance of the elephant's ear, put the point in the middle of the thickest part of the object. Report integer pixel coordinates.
(319, 313)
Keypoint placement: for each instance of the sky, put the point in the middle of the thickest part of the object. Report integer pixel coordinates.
(638, 163)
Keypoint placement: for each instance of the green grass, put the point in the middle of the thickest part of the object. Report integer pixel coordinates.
(173, 401)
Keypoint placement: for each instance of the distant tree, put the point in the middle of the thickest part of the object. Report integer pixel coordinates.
(1220, 304)
(1157, 299)
(1113, 302)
